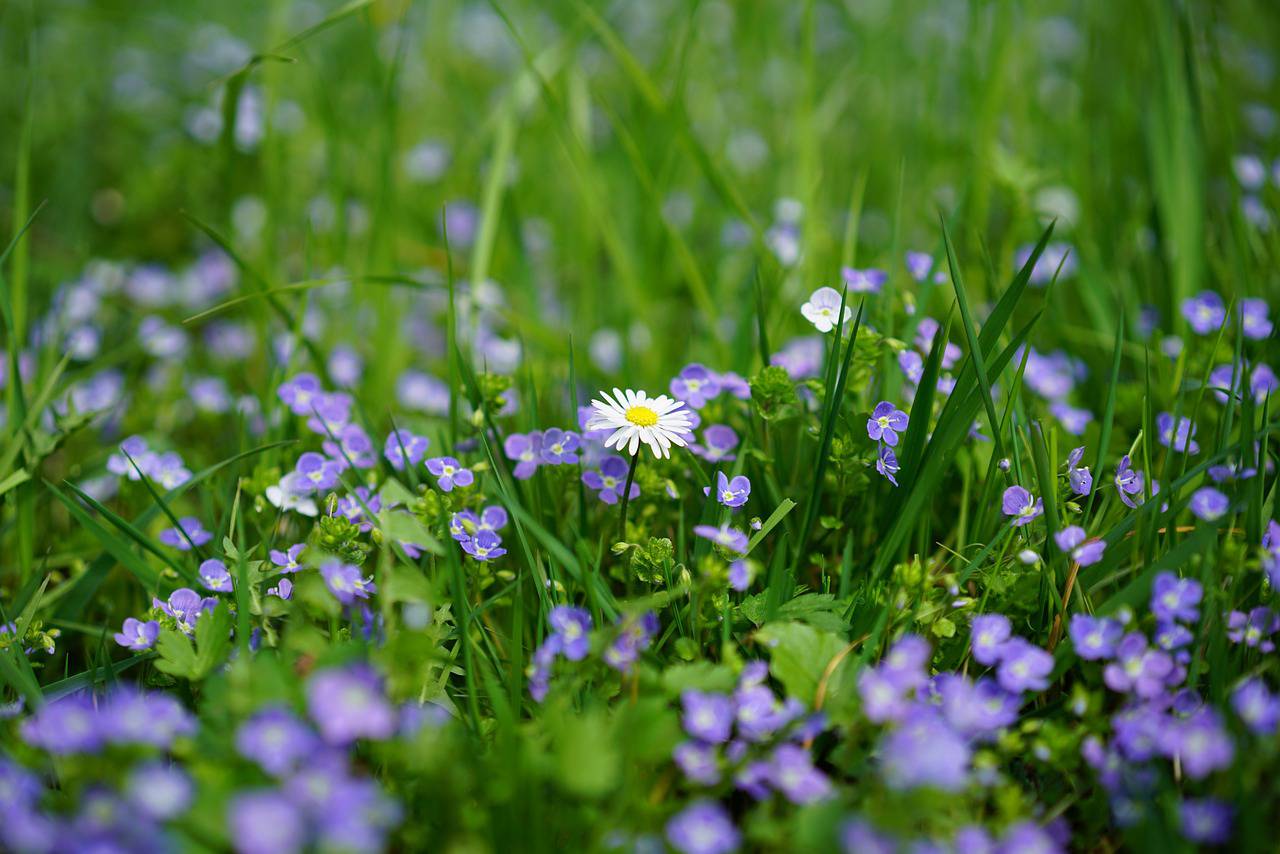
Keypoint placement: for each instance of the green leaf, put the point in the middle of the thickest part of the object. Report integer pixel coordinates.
(799, 655)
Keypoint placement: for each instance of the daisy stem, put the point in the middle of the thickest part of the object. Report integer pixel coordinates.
(626, 496)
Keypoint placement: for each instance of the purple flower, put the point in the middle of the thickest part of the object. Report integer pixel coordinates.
(1256, 706)
(719, 442)
(906, 661)
(354, 447)
(800, 357)
(610, 480)
(316, 473)
(1023, 666)
(1074, 420)
(191, 532)
(159, 791)
(1253, 629)
(300, 393)
(349, 703)
(1205, 820)
(707, 716)
(330, 412)
(731, 493)
(1072, 541)
(265, 822)
(1253, 316)
(138, 635)
(66, 725)
(130, 716)
(635, 636)
(1209, 504)
(449, 473)
(1174, 598)
(988, 636)
(739, 575)
(1200, 742)
(1078, 476)
(288, 560)
(703, 827)
(863, 281)
(214, 576)
(883, 699)
(345, 581)
(353, 505)
(276, 740)
(926, 331)
(1095, 638)
(860, 837)
(730, 539)
(699, 762)
(1137, 668)
(1177, 433)
(923, 751)
(283, 589)
(1205, 312)
(791, 772)
(735, 385)
(886, 422)
(403, 446)
(1021, 505)
(559, 446)
(185, 606)
(919, 264)
(485, 545)
(887, 464)
(571, 625)
(1055, 255)
(975, 709)
(525, 449)
(695, 385)
(1130, 482)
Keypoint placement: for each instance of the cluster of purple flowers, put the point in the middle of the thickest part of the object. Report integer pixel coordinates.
(136, 459)
(1205, 313)
(552, 447)
(1053, 377)
(697, 385)
(883, 427)
(859, 836)
(753, 738)
(570, 637)
(478, 535)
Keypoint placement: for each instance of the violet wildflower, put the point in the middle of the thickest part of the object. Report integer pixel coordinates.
(159, 791)
(353, 507)
(353, 448)
(138, 635)
(299, 393)
(923, 751)
(734, 385)
(277, 740)
(1200, 742)
(283, 589)
(792, 773)
(911, 364)
(1055, 256)
(1209, 504)
(559, 447)
(330, 412)
(265, 822)
(739, 575)
(449, 473)
(214, 576)
(288, 560)
(718, 444)
(707, 716)
(731, 493)
(130, 716)
(699, 762)
(1138, 668)
(1021, 505)
(485, 545)
(919, 264)
(886, 422)
(185, 606)
(463, 525)
(926, 331)
(730, 539)
(1074, 419)
(571, 625)
(190, 533)
(695, 385)
(67, 725)
(1023, 666)
(988, 636)
(1179, 433)
(1253, 317)
(801, 357)
(906, 661)
(1095, 638)
(1079, 478)
(887, 464)
(403, 447)
(610, 479)
(1072, 540)
(1253, 629)
(316, 473)
(823, 308)
(345, 581)
(134, 459)
(1257, 707)
(860, 837)
(703, 827)
(1205, 312)
(525, 450)
(863, 281)
(1205, 820)
(635, 636)
(1129, 482)
(349, 703)
(1174, 598)
(976, 709)
(883, 699)
(168, 471)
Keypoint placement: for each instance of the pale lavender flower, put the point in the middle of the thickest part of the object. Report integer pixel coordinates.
(1200, 742)
(610, 479)
(266, 822)
(792, 773)
(1177, 433)
(734, 385)
(730, 539)
(718, 444)
(288, 560)
(886, 422)
(1079, 478)
(1205, 312)
(559, 447)
(988, 636)
(1137, 668)
(1209, 504)
(868, 281)
(923, 751)
(1074, 420)
(404, 448)
(1023, 666)
(138, 635)
(571, 625)
(1021, 505)
(1174, 598)
(1205, 820)
(159, 791)
(449, 473)
(695, 385)
(316, 473)
(1095, 638)
(214, 576)
(525, 449)
(731, 493)
(1253, 629)
(1257, 707)
(1253, 316)
(699, 762)
(345, 581)
(277, 740)
(703, 827)
(1073, 541)
(300, 392)
(484, 546)
(67, 725)
(707, 716)
(350, 703)
(887, 464)
(191, 533)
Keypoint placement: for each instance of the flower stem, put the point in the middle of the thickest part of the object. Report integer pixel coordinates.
(626, 496)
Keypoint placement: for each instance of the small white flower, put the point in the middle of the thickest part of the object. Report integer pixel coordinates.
(823, 308)
(634, 417)
(286, 496)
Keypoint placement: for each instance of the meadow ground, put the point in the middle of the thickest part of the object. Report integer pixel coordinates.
(706, 426)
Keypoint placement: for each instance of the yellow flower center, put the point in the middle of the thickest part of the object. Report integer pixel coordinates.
(641, 416)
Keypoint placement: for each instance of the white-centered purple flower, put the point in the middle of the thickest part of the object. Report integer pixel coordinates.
(1205, 312)
(277, 740)
(732, 493)
(886, 422)
(610, 479)
(1021, 505)
(695, 385)
(346, 582)
(703, 827)
(571, 625)
(138, 635)
(449, 473)
(214, 576)
(868, 281)
(1209, 504)
(191, 533)
(1095, 638)
(730, 539)
(707, 716)
(350, 703)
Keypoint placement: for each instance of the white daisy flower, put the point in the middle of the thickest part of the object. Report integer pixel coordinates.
(823, 308)
(634, 417)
